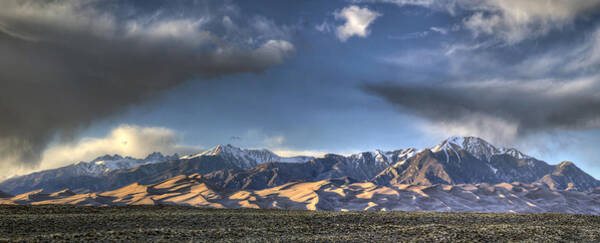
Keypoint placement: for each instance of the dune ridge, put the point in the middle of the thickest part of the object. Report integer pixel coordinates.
(335, 195)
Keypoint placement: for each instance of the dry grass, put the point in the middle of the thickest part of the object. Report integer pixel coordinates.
(177, 223)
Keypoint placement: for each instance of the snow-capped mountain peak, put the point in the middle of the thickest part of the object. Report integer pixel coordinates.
(385, 157)
(107, 163)
(514, 153)
(382, 157)
(235, 167)
(477, 147)
(247, 158)
(159, 156)
(108, 157)
(223, 149)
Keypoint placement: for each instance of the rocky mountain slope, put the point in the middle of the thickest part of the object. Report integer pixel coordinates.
(111, 172)
(356, 167)
(246, 158)
(468, 160)
(80, 174)
(459, 174)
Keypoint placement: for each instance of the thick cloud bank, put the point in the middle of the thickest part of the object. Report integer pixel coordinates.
(524, 67)
(66, 63)
(508, 108)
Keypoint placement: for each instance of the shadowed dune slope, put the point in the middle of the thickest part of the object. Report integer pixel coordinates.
(336, 195)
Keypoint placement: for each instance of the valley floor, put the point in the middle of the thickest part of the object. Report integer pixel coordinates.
(180, 223)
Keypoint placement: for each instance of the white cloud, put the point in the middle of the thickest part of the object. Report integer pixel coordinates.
(542, 88)
(415, 59)
(70, 15)
(259, 139)
(517, 20)
(27, 19)
(510, 21)
(274, 141)
(275, 51)
(585, 57)
(291, 152)
(125, 140)
(493, 129)
(324, 27)
(421, 34)
(580, 58)
(186, 30)
(229, 24)
(357, 22)
(425, 3)
(440, 30)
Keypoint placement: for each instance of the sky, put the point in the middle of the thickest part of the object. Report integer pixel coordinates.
(83, 78)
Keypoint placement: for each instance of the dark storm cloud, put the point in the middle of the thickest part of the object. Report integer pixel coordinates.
(476, 85)
(64, 64)
(532, 105)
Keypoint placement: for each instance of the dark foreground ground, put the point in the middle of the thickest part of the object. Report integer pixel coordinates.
(173, 223)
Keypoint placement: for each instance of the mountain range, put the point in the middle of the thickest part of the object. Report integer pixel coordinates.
(459, 174)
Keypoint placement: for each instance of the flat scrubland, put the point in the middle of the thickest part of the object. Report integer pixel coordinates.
(190, 224)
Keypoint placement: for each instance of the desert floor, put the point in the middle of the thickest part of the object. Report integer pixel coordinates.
(179, 223)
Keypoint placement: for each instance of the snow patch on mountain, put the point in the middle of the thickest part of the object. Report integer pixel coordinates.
(247, 158)
(477, 147)
(384, 157)
(107, 163)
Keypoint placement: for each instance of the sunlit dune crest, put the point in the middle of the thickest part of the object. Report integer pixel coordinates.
(328, 195)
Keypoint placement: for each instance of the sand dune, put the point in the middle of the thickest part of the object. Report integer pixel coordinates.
(334, 195)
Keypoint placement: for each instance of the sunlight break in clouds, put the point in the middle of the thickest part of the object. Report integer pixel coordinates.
(125, 140)
(135, 58)
(357, 22)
